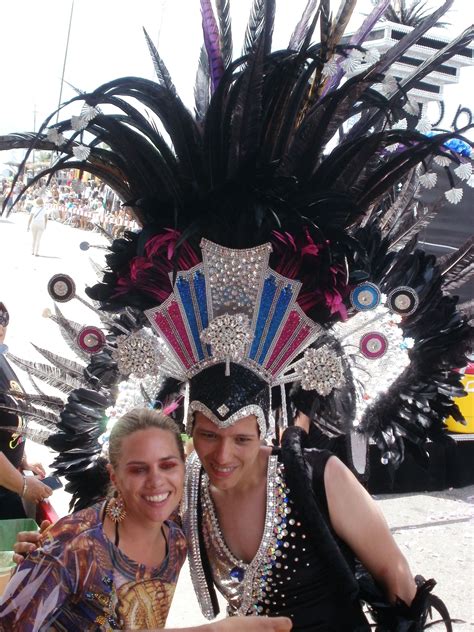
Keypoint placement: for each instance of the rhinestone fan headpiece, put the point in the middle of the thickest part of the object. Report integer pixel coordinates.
(233, 308)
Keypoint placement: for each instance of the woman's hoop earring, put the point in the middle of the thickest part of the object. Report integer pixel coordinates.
(115, 509)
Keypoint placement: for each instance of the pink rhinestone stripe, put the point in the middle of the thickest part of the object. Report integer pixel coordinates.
(285, 334)
(177, 320)
(303, 334)
(165, 328)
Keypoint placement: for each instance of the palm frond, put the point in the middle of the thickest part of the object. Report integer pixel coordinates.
(395, 52)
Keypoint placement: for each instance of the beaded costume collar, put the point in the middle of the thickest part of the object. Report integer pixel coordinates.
(247, 589)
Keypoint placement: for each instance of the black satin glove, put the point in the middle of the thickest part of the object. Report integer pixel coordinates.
(399, 617)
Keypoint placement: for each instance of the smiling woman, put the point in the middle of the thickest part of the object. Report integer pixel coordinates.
(89, 573)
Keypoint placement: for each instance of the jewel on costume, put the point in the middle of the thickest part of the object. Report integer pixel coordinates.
(228, 336)
(55, 136)
(237, 573)
(320, 370)
(373, 345)
(365, 296)
(223, 410)
(78, 123)
(403, 300)
(138, 354)
(91, 339)
(61, 288)
(81, 152)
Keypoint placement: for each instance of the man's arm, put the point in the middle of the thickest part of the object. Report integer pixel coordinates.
(358, 521)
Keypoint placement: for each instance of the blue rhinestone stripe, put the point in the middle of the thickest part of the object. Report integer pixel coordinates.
(186, 299)
(199, 283)
(268, 293)
(284, 300)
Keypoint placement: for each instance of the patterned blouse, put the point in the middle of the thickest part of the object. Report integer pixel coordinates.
(79, 580)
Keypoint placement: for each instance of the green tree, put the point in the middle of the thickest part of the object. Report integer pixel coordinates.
(409, 12)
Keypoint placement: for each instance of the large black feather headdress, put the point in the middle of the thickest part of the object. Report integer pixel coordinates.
(284, 148)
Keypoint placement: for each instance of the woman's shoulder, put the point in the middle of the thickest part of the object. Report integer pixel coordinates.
(73, 526)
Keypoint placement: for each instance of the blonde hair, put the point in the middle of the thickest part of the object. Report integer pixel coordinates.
(140, 419)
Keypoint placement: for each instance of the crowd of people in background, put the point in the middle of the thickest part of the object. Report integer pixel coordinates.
(88, 206)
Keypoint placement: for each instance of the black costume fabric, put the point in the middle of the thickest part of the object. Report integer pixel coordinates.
(238, 391)
(13, 447)
(306, 587)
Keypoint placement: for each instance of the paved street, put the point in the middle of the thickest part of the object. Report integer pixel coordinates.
(433, 529)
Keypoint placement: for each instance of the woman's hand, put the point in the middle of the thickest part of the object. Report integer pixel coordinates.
(36, 468)
(27, 541)
(240, 624)
(36, 491)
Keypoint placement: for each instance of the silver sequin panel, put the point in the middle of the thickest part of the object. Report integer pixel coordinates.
(244, 594)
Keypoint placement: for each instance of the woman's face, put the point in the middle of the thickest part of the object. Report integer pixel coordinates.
(149, 474)
(229, 455)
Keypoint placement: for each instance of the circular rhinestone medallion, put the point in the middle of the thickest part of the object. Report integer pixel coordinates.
(61, 288)
(91, 339)
(403, 300)
(365, 296)
(373, 345)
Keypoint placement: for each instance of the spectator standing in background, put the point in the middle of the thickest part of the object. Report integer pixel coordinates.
(37, 222)
(13, 485)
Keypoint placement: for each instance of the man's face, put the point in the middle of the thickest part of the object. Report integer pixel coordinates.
(227, 454)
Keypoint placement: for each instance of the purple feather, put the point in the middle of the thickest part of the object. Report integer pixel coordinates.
(212, 43)
(300, 30)
(357, 39)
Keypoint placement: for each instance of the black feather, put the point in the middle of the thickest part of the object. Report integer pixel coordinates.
(458, 268)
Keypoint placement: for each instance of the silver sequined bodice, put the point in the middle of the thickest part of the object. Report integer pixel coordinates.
(243, 585)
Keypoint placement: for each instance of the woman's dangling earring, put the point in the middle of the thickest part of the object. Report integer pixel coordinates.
(116, 508)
